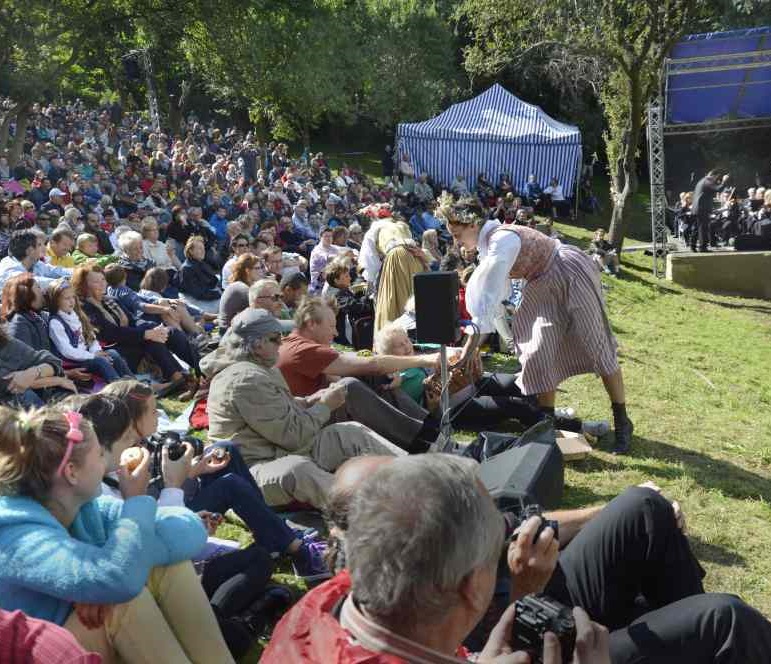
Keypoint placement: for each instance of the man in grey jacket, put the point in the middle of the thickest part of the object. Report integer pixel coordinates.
(286, 440)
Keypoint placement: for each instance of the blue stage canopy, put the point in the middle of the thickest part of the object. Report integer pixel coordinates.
(721, 78)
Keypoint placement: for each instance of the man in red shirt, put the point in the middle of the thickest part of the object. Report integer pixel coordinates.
(309, 363)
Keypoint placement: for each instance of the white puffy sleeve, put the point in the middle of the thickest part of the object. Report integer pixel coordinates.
(369, 258)
(490, 284)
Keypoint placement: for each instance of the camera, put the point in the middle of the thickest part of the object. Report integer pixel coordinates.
(174, 443)
(538, 614)
(518, 512)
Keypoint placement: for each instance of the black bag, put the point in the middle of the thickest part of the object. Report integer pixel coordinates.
(490, 443)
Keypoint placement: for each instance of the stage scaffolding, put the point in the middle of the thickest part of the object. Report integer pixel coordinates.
(704, 72)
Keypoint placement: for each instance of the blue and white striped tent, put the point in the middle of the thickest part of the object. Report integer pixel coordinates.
(493, 133)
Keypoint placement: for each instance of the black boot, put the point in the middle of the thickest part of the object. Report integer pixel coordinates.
(623, 427)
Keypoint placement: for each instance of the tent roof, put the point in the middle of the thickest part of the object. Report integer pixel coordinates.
(494, 115)
(720, 77)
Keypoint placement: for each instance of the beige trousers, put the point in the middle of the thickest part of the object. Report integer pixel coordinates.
(307, 479)
(170, 621)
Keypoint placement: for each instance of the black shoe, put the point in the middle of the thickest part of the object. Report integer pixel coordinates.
(623, 438)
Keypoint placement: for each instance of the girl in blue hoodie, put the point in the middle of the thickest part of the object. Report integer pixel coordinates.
(115, 573)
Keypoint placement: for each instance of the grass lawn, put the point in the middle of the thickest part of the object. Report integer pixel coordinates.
(697, 370)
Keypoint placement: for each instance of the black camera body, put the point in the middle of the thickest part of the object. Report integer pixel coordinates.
(174, 443)
(518, 512)
(538, 614)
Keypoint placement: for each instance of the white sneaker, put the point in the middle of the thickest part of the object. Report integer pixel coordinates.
(565, 412)
(596, 428)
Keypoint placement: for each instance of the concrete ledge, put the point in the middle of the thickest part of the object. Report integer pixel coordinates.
(746, 273)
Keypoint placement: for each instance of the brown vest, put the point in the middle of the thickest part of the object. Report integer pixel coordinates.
(535, 254)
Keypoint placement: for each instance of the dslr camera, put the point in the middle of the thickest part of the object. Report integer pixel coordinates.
(538, 614)
(174, 443)
(516, 512)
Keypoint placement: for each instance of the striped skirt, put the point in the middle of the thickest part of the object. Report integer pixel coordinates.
(560, 328)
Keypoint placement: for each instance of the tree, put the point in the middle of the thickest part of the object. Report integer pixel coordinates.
(617, 46)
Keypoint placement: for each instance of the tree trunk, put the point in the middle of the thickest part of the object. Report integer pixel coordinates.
(629, 163)
(14, 153)
(5, 127)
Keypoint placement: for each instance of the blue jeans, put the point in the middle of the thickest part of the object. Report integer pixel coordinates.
(109, 370)
(234, 488)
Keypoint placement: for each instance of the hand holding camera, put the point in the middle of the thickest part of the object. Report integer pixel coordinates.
(176, 470)
(532, 556)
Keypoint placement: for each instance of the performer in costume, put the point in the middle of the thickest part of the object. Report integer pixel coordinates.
(560, 328)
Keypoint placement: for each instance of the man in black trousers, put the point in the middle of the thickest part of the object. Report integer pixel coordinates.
(703, 195)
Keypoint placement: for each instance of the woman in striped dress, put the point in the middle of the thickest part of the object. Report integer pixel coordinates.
(560, 328)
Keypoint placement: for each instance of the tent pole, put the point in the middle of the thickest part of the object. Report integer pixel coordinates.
(578, 178)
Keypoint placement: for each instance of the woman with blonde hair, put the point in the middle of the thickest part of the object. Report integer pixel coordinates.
(247, 270)
(116, 574)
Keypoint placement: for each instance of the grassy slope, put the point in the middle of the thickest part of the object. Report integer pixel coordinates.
(697, 370)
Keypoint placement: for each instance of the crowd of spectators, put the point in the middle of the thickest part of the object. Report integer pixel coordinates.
(222, 270)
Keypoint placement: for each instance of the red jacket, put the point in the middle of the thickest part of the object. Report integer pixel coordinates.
(311, 634)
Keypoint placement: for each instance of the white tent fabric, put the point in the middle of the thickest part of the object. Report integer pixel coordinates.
(494, 133)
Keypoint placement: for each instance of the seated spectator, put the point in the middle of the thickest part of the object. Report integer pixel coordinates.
(290, 451)
(490, 399)
(198, 282)
(294, 288)
(534, 193)
(239, 245)
(87, 250)
(113, 326)
(322, 254)
(350, 307)
(26, 250)
(430, 243)
(154, 284)
(423, 191)
(133, 259)
(458, 187)
(30, 377)
(355, 236)
(60, 244)
(220, 482)
(25, 639)
(308, 363)
(218, 222)
(266, 294)
(246, 270)
(454, 544)
(680, 621)
(153, 249)
(604, 254)
(92, 225)
(76, 553)
(560, 205)
(74, 338)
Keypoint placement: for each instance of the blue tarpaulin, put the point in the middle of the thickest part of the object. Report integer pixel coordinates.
(494, 133)
(719, 77)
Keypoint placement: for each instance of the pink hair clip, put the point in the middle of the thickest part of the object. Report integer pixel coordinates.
(74, 436)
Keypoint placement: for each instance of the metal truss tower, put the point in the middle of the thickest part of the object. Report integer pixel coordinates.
(658, 191)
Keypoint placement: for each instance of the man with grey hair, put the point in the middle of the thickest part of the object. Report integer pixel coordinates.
(423, 543)
(286, 441)
(266, 294)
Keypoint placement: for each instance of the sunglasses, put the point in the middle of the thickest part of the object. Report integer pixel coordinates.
(275, 297)
(241, 245)
(274, 338)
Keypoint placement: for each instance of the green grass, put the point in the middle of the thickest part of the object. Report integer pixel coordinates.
(697, 369)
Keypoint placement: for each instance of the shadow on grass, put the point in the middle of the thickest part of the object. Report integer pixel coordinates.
(713, 553)
(759, 308)
(707, 471)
